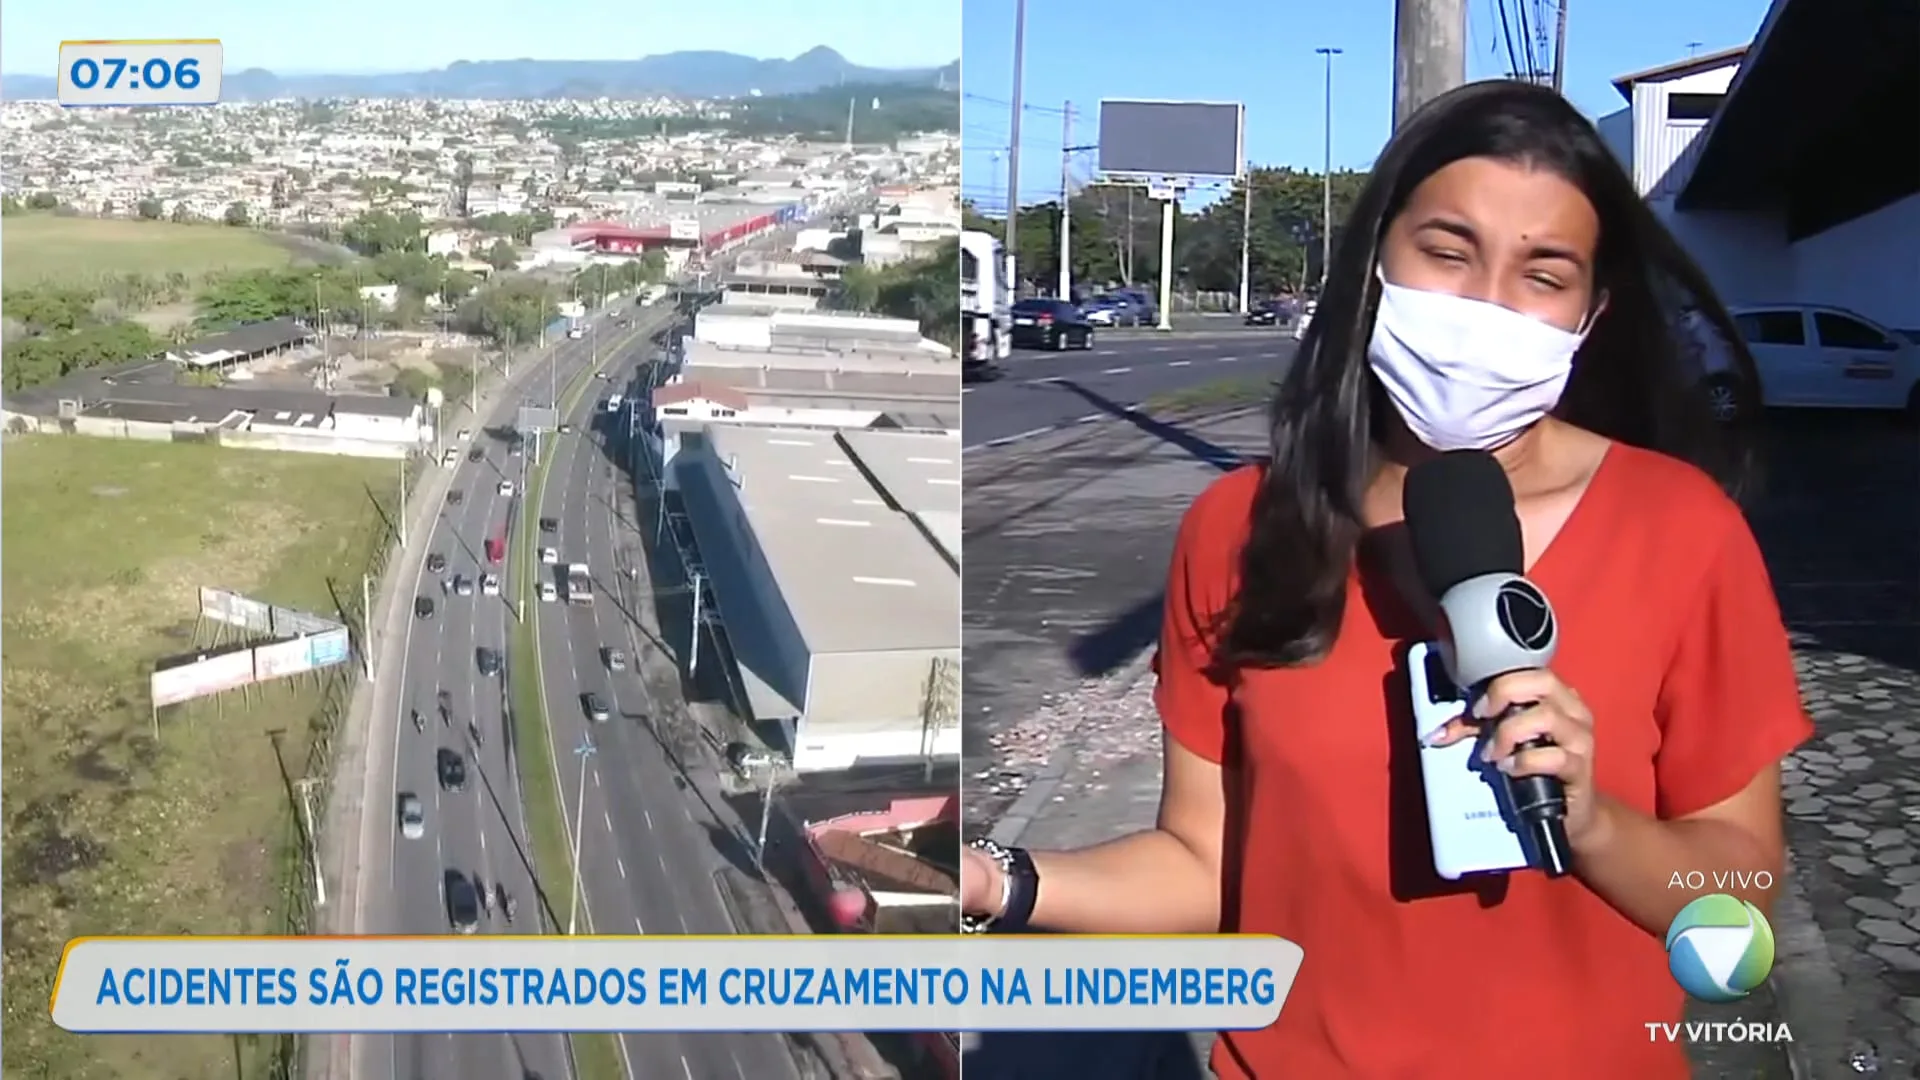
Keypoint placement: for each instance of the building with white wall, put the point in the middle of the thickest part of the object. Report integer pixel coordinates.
(1790, 169)
(833, 558)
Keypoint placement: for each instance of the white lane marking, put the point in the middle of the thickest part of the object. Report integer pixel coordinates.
(1225, 359)
(639, 929)
(686, 1068)
(608, 818)
(620, 865)
(1091, 418)
(1161, 348)
(1178, 363)
(647, 814)
(1116, 371)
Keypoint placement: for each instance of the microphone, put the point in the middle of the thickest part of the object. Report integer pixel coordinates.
(1467, 546)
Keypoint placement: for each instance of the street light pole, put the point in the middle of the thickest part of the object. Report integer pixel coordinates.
(1326, 210)
(305, 784)
(1246, 240)
(1012, 242)
(584, 751)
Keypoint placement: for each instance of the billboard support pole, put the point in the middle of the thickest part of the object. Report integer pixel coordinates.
(366, 624)
(693, 629)
(305, 784)
(1246, 241)
(1166, 259)
(153, 714)
(1066, 203)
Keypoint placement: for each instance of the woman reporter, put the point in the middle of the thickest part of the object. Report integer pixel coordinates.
(1500, 287)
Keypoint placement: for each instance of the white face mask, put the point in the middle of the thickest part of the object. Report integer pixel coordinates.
(1466, 374)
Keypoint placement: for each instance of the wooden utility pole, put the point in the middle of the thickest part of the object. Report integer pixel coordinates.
(1560, 48)
(1429, 52)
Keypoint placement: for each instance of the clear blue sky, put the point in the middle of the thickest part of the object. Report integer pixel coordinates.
(1221, 50)
(355, 36)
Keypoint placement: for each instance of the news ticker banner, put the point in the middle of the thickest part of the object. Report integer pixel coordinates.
(836, 982)
(182, 71)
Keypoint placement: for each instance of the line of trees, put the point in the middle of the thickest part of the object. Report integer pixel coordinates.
(882, 113)
(926, 290)
(1116, 235)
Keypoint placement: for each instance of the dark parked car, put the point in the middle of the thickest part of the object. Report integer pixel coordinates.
(1050, 324)
(456, 497)
(548, 525)
(436, 563)
(594, 707)
(476, 454)
(463, 903)
(487, 661)
(1269, 313)
(422, 607)
(452, 769)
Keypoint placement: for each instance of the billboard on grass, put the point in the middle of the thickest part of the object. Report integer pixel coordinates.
(282, 659)
(198, 676)
(232, 609)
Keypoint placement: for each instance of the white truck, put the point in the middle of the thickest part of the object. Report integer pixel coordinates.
(986, 303)
(579, 584)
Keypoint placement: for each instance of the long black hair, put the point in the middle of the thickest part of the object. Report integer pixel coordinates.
(1633, 380)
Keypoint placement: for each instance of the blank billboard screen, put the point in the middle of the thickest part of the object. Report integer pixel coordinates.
(1171, 138)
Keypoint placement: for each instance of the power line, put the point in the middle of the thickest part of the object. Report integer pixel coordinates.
(1041, 110)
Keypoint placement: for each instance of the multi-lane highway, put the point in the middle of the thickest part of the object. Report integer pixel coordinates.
(479, 830)
(1042, 391)
(651, 836)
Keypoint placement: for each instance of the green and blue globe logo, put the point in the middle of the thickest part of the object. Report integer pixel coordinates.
(1719, 948)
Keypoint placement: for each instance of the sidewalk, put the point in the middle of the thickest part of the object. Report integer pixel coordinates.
(1068, 538)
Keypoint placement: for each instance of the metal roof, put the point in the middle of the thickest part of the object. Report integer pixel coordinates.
(856, 572)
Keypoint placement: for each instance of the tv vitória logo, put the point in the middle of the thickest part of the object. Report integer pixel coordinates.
(1719, 948)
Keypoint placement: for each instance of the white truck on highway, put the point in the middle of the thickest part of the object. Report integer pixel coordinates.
(579, 584)
(986, 303)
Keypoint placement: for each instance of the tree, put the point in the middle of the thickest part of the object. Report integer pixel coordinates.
(502, 256)
(149, 209)
(513, 308)
(925, 290)
(236, 215)
(380, 232)
(181, 214)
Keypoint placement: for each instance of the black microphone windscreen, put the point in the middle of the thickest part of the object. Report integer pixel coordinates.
(1460, 519)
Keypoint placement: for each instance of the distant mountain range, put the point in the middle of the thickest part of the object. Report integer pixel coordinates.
(679, 74)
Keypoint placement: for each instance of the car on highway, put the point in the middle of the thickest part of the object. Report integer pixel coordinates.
(452, 769)
(423, 607)
(566, 429)
(601, 375)
(476, 454)
(576, 333)
(616, 659)
(490, 585)
(548, 594)
(594, 706)
(1132, 307)
(1097, 311)
(487, 660)
(436, 563)
(506, 489)
(413, 816)
(1045, 323)
(462, 585)
(1268, 313)
(548, 525)
(463, 903)
(549, 557)
(514, 447)
(456, 497)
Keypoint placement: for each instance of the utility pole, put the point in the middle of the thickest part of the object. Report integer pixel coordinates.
(1429, 52)
(400, 512)
(693, 630)
(1326, 178)
(766, 819)
(1560, 47)
(1246, 240)
(1012, 243)
(1066, 203)
(305, 784)
(584, 751)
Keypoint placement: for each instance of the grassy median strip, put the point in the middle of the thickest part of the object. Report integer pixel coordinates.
(1222, 394)
(596, 1055)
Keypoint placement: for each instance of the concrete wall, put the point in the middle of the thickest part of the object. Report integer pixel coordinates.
(106, 427)
(870, 706)
(312, 443)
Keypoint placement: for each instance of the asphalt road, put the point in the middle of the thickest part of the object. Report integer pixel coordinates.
(1044, 391)
(650, 837)
(479, 831)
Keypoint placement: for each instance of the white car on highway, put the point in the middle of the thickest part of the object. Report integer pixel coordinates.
(490, 585)
(549, 557)
(506, 489)
(413, 817)
(548, 594)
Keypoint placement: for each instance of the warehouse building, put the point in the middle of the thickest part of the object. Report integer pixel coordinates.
(833, 560)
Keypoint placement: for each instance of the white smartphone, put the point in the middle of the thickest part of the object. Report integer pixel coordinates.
(1470, 817)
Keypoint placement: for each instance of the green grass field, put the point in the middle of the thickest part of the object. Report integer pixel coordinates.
(44, 248)
(108, 831)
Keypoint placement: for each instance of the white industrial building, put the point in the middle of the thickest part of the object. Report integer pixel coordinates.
(1790, 168)
(833, 558)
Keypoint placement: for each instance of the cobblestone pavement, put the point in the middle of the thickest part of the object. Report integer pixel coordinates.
(1067, 539)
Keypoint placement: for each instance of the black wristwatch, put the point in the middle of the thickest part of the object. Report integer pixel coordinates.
(1019, 888)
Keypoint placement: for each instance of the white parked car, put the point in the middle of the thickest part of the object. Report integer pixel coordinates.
(548, 594)
(490, 585)
(1814, 356)
(506, 489)
(549, 556)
